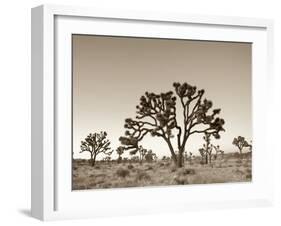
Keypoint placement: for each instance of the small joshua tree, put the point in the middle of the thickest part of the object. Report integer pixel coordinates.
(150, 156)
(141, 151)
(157, 116)
(206, 151)
(203, 155)
(135, 159)
(217, 151)
(120, 151)
(241, 143)
(188, 157)
(107, 159)
(95, 144)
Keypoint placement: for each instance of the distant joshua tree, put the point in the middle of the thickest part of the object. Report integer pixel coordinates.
(206, 151)
(141, 151)
(135, 159)
(157, 115)
(150, 156)
(120, 151)
(95, 144)
(241, 143)
(203, 155)
(107, 159)
(218, 151)
(188, 157)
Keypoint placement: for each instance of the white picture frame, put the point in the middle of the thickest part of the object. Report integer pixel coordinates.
(52, 197)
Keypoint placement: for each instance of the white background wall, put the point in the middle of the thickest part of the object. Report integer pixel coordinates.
(15, 111)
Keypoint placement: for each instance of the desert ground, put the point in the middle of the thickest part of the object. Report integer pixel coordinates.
(229, 168)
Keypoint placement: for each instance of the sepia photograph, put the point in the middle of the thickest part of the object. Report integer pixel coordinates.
(160, 112)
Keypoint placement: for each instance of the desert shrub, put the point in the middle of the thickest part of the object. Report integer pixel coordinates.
(180, 180)
(202, 162)
(238, 161)
(236, 155)
(187, 172)
(173, 169)
(130, 166)
(121, 172)
(106, 185)
(141, 175)
(167, 163)
(238, 171)
(207, 179)
(249, 176)
(246, 165)
(219, 165)
(149, 168)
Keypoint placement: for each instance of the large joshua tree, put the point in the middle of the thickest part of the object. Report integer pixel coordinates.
(95, 144)
(157, 115)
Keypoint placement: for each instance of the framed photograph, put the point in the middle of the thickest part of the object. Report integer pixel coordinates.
(137, 112)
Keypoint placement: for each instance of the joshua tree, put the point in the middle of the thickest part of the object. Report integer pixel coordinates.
(150, 156)
(95, 144)
(218, 151)
(120, 151)
(203, 155)
(142, 153)
(241, 143)
(157, 115)
(107, 159)
(135, 159)
(207, 149)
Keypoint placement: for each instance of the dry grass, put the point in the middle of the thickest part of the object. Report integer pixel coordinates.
(160, 173)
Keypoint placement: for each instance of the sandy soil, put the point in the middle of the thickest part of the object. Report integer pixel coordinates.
(231, 168)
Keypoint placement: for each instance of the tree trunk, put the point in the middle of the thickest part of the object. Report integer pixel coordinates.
(180, 162)
(206, 158)
(93, 160)
(174, 157)
(210, 158)
(240, 150)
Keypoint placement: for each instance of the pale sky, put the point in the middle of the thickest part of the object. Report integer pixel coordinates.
(111, 73)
